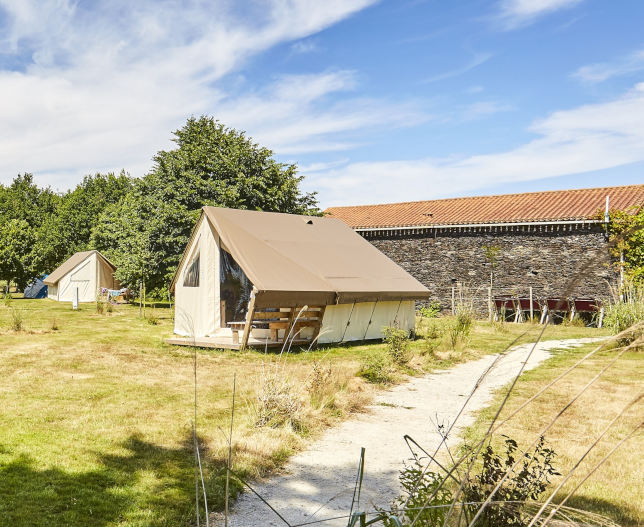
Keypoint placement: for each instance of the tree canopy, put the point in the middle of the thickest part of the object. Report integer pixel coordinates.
(143, 225)
(145, 233)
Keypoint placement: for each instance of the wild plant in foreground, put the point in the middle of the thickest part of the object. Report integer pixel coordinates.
(17, 319)
(397, 341)
(278, 401)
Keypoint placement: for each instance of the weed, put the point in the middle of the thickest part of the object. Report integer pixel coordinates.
(397, 341)
(460, 329)
(17, 319)
(54, 324)
(377, 368)
(152, 319)
(431, 310)
(278, 402)
(100, 306)
(318, 385)
(109, 307)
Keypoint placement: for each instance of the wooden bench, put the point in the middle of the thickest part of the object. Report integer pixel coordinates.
(236, 328)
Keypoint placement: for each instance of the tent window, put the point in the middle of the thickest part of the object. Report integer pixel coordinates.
(234, 287)
(191, 277)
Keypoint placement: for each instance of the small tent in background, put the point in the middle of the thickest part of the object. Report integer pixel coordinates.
(36, 289)
(251, 273)
(89, 271)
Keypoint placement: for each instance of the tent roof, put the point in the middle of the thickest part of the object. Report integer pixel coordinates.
(292, 259)
(71, 263)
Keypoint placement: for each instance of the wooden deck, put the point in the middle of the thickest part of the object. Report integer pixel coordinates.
(227, 342)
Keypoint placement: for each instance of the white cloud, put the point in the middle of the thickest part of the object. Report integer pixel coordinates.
(584, 139)
(518, 13)
(602, 71)
(107, 82)
(304, 46)
(485, 108)
(478, 59)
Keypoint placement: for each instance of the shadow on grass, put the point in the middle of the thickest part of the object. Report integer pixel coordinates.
(624, 516)
(148, 486)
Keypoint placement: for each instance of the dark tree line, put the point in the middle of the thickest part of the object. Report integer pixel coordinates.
(143, 224)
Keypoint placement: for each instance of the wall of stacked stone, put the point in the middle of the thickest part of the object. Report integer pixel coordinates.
(571, 263)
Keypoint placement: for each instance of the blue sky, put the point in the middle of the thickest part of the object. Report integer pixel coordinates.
(375, 101)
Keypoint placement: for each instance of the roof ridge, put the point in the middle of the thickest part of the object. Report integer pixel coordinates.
(485, 196)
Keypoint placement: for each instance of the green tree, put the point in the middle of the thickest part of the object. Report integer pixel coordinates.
(68, 229)
(16, 244)
(211, 165)
(627, 232)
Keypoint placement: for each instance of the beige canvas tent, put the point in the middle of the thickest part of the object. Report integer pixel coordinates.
(89, 271)
(246, 275)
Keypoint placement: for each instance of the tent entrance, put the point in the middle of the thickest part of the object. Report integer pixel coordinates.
(234, 289)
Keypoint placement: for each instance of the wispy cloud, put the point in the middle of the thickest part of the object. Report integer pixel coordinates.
(485, 108)
(478, 59)
(302, 47)
(595, 73)
(517, 13)
(105, 83)
(583, 139)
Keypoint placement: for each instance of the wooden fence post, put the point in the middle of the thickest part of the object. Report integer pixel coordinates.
(531, 308)
(453, 292)
(489, 303)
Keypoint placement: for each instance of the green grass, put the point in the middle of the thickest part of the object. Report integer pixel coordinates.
(95, 419)
(616, 489)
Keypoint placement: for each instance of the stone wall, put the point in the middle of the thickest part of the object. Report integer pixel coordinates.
(570, 263)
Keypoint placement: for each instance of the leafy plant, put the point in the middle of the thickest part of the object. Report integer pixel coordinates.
(377, 368)
(17, 319)
(397, 341)
(462, 325)
(527, 482)
(431, 310)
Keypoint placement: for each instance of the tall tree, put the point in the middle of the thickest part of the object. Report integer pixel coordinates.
(211, 165)
(16, 252)
(69, 230)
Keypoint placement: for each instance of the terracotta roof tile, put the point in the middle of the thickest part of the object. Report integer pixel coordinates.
(558, 205)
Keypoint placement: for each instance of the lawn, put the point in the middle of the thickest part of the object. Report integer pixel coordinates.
(617, 488)
(96, 410)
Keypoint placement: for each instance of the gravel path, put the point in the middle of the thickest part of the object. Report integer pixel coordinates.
(318, 482)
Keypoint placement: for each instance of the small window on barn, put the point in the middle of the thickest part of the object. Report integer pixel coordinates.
(191, 276)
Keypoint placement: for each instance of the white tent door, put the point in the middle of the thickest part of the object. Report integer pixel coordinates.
(81, 278)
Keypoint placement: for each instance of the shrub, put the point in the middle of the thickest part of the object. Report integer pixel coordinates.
(397, 341)
(318, 384)
(17, 319)
(460, 329)
(377, 368)
(278, 402)
(109, 307)
(152, 319)
(431, 310)
(100, 306)
(623, 315)
(526, 483)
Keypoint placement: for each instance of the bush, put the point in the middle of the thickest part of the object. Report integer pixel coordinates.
(460, 329)
(278, 402)
(17, 319)
(152, 319)
(622, 315)
(109, 307)
(431, 310)
(377, 368)
(397, 341)
(526, 483)
(100, 306)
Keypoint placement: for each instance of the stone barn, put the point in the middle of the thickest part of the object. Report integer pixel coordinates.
(554, 243)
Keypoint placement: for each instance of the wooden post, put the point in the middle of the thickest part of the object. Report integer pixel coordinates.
(489, 303)
(453, 292)
(249, 319)
(531, 308)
